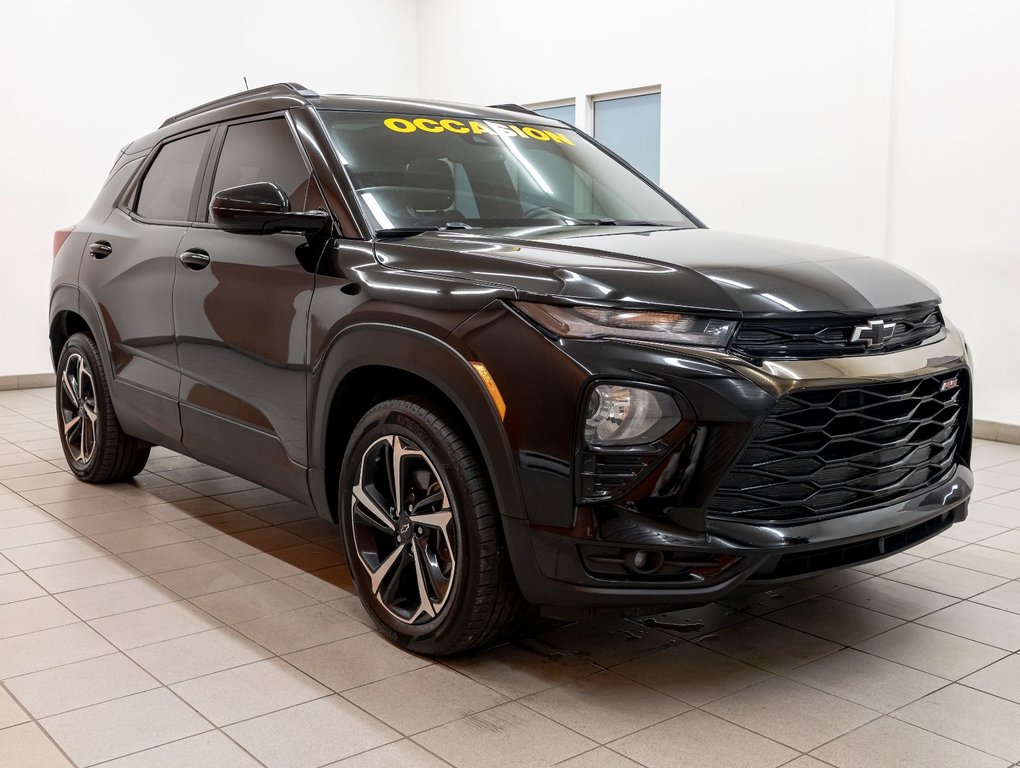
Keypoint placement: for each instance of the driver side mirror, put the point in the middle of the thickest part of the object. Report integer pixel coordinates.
(262, 208)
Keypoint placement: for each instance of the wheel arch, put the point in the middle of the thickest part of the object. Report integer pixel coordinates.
(369, 363)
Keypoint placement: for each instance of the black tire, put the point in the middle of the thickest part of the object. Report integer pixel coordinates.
(109, 455)
(481, 598)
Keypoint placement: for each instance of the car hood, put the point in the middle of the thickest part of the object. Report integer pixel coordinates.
(687, 268)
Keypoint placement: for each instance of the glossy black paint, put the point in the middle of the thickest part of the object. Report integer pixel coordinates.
(258, 353)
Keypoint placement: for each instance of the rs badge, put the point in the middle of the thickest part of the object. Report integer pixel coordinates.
(949, 384)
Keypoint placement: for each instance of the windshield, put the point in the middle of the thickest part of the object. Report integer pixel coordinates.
(412, 172)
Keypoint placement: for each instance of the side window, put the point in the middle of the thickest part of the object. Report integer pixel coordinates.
(165, 193)
(263, 151)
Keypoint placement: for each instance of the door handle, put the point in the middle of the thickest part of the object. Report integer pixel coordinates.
(100, 249)
(195, 259)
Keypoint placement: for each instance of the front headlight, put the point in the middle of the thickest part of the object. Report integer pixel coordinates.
(628, 415)
(600, 323)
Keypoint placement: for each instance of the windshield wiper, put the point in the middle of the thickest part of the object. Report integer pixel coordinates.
(411, 231)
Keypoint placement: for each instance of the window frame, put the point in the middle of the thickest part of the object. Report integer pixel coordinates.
(201, 214)
(130, 202)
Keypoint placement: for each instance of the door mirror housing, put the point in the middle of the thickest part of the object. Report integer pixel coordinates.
(262, 208)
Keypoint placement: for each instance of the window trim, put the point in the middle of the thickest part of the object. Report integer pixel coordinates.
(135, 186)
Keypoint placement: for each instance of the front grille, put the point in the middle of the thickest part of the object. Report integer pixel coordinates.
(814, 338)
(829, 451)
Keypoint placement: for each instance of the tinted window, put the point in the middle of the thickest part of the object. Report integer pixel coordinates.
(416, 171)
(166, 190)
(263, 151)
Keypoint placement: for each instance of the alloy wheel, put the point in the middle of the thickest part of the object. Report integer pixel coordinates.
(79, 412)
(404, 529)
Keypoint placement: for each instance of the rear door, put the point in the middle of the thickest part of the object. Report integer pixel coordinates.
(242, 320)
(128, 273)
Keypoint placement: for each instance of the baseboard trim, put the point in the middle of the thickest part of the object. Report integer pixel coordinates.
(994, 430)
(28, 381)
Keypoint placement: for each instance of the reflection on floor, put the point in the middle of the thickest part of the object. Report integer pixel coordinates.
(194, 619)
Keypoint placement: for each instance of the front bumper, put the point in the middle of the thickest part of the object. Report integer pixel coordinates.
(560, 559)
(762, 554)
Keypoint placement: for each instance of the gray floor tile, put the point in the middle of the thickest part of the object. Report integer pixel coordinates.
(153, 625)
(971, 717)
(931, 650)
(982, 623)
(768, 645)
(50, 648)
(807, 718)
(691, 673)
(311, 735)
(890, 743)
(241, 693)
(28, 746)
(1001, 678)
(697, 739)
(202, 653)
(233, 606)
(81, 684)
(355, 661)
(304, 628)
(207, 750)
(605, 706)
(893, 598)
(120, 727)
(867, 680)
(835, 620)
(408, 702)
(508, 735)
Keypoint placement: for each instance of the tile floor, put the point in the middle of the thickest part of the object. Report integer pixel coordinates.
(193, 619)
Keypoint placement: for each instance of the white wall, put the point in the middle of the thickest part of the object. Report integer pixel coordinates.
(955, 177)
(882, 126)
(82, 79)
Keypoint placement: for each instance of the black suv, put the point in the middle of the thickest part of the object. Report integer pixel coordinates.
(510, 367)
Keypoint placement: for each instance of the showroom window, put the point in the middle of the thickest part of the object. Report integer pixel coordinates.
(166, 191)
(564, 112)
(263, 151)
(630, 126)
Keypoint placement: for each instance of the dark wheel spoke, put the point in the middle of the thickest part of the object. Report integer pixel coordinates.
(78, 410)
(408, 555)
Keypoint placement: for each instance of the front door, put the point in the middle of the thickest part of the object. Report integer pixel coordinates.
(241, 319)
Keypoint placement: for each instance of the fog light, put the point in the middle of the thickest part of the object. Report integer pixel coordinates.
(621, 415)
(643, 561)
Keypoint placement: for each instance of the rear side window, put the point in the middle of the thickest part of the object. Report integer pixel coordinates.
(263, 151)
(165, 194)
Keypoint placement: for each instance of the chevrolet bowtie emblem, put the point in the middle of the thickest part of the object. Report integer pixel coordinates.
(874, 332)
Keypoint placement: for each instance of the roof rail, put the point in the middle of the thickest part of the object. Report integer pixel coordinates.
(279, 89)
(515, 108)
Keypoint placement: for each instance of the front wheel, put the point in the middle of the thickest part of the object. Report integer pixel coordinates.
(96, 448)
(422, 533)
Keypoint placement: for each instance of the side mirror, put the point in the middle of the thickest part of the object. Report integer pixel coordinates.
(261, 208)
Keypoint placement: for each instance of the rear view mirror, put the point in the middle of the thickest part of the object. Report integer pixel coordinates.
(261, 208)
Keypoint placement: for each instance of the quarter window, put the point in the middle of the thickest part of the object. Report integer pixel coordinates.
(263, 151)
(165, 194)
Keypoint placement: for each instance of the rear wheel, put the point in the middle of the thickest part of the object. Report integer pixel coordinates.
(96, 448)
(422, 533)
